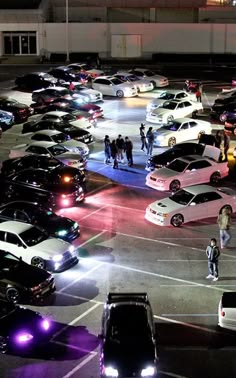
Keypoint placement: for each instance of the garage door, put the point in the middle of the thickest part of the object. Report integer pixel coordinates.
(126, 45)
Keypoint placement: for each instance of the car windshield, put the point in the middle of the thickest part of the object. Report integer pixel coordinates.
(33, 236)
(68, 118)
(57, 150)
(46, 75)
(178, 165)
(182, 197)
(116, 81)
(131, 78)
(149, 73)
(7, 260)
(169, 105)
(60, 138)
(173, 126)
(167, 96)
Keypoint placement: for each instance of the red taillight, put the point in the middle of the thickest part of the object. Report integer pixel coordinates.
(222, 313)
(65, 201)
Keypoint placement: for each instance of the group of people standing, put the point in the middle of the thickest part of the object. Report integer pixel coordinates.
(116, 149)
(196, 88)
(147, 139)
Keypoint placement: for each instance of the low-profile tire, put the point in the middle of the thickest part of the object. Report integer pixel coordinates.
(177, 220)
(120, 94)
(12, 295)
(194, 114)
(215, 178)
(200, 134)
(3, 344)
(170, 118)
(39, 262)
(226, 207)
(171, 142)
(154, 84)
(223, 118)
(174, 185)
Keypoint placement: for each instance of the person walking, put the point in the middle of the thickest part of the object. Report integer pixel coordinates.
(200, 90)
(150, 141)
(186, 85)
(226, 140)
(107, 149)
(129, 151)
(114, 152)
(120, 143)
(224, 222)
(218, 139)
(143, 137)
(213, 254)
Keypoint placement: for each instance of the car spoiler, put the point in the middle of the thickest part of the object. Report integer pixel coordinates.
(118, 297)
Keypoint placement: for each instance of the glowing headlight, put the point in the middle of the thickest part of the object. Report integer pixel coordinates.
(75, 225)
(148, 372)
(71, 248)
(57, 258)
(109, 371)
(62, 233)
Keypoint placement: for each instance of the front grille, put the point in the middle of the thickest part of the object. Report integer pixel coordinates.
(152, 211)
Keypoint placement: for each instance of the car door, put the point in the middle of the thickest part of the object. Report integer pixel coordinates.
(105, 86)
(197, 208)
(187, 108)
(183, 133)
(197, 172)
(15, 245)
(179, 110)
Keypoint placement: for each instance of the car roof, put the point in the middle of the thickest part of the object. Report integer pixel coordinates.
(184, 119)
(58, 113)
(198, 189)
(173, 91)
(47, 132)
(107, 77)
(42, 143)
(15, 226)
(20, 204)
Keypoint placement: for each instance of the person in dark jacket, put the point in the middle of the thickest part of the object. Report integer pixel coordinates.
(218, 139)
(107, 149)
(129, 151)
(150, 141)
(213, 254)
(114, 153)
(120, 143)
(143, 137)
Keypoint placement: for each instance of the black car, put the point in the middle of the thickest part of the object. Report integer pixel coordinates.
(35, 80)
(21, 328)
(22, 282)
(59, 172)
(20, 111)
(42, 217)
(45, 96)
(36, 185)
(128, 337)
(223, 111)
(181, 149)
(64, 73)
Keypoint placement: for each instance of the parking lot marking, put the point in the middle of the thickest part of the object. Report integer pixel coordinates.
(81, 298)
(94, 212)
(92, 238)
(79, 366)
(187, 260)
(74, 347)
(173, 375)
(194, 326)
(190, 315)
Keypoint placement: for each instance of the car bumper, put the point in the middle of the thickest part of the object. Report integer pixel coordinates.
(44, 292)
(153, 218)
(64, 265)
(226, 324)
(156, 185)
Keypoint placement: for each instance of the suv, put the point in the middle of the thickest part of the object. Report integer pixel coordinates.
(128, 347)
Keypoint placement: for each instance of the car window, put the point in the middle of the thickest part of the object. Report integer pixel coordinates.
(12, 238)
(40, 137)
(193, 124)
(8, 212)
(185, 126)
(20, 215)
(37, 150)
(2, 235)
(181, 95)
(178, 165)
(199, 165)
(102, 81)
(50, 116)
(68, 117)
(169, 105)
(182, 197)
(167, 96)
(187, 103)
(57, 150)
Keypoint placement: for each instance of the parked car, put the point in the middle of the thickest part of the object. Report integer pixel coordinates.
(7, 119)
(170, 110)
(61, 138)
(191, 204)
(163, 159)
(89, 71)
(20, 111)
(189, 170)
(42, 96)
(59, 173)
(181, 130)
(230, 128)
(229, 114)
(63, 73)
(50, 149)
(22, 328)
(227, 311)
(219, 111)
(32, 212)
(112, 86)
(88, 94)
(170, 94)
(227, 93)
(156, 79)
(21, 282)
(35, 246)
(128, 337)
(35, 80)
(142, 85)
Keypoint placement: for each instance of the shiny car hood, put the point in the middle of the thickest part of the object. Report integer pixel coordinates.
(52, 247)
(163, 173)
(166, 205)
(69, 156)
(160, 111)
(90, 91)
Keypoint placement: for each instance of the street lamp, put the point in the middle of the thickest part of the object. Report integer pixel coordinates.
(67, 32)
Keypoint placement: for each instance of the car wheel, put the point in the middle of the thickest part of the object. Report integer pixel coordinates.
(39, 262)
(223, 117)
(3, 344)
(120, 94)
(171, 142)
(13, 295)
(200, 134)
(228, 207)
(154, 84)
(177, 220)
(215, 178)
(170, 118)
(174, 185)
(194, 114)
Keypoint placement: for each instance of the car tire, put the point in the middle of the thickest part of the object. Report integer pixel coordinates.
(154, 84)
(200, 134)
(170, 118)
(222, 117)
(174, 185)
(226, 207)
(177, 220)
(12, 295)
(120, 94)
(194, 114)
(171, 142)
(3, 345)
(215, 178)
(39, 262)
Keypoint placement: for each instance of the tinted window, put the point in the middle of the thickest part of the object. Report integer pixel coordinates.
(186, 104)
(182, 197)
(21, 216)
(199, 165)
(193, 124)
(8, 212)
(2, 235)
(37, 150)
(178, 165)
(12, 238)
(102, 81)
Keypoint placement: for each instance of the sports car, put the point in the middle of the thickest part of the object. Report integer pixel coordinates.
(188, 170)
(181, 130)
(142, 85)
(112, 86)
(170, 110)
(190, 204)
(227, 311)
(170, 94)
(90, 71)
(156, 79)
(89, 94)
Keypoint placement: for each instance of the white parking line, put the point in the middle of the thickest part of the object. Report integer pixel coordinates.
(169, 374)
(187, 260)
(194, 326)
(93, 212)
(79, 366)
(92, 238)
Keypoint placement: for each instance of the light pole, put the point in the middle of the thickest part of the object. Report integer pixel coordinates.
(67, 33)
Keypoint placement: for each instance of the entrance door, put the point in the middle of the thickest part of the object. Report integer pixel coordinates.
(126, 45)
(20, 43)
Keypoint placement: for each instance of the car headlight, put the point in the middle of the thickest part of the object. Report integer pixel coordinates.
(62, 232)
(148, 371)
(109, 371)
(57, 258)
(71, 248)
(23, 338)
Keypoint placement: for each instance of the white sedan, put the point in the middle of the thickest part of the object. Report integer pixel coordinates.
(50, 149)
(227, 311)
(190, 204)
(187, 170)
(171, 94)
(112, 86)
(89, 94)
(181, 130)
(35, 247)
(170, 110)
(61, 138)
(156, 79)
(142, 85)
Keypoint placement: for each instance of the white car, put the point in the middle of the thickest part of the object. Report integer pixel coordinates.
(50, 149)
(142, 85)
(61, 138)
(180, 130)
(227, 311)
(190, 204)
(171, 94)
(156, 79)
(170, 110)
(35, 247)
(89, 94)
(59, 116)
(112, 86)
(188, 170)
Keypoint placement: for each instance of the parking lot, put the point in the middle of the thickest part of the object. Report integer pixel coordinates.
(120, 251)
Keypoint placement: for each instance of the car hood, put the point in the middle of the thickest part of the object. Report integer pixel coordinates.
(166, 205)
(69, 156)
(52, 247)
(160, 111)
(81, 123)
(74, 144)
(19, 147)
(125, 85)
(57, 224)
(27, 275)
(163, 173)
(89, 91)
(163, 132)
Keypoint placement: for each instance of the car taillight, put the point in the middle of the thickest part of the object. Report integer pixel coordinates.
(222, 313)
(65, 201)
